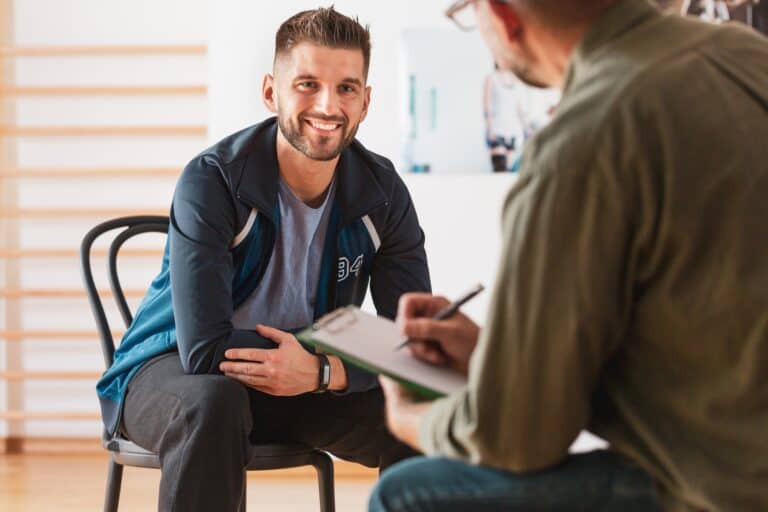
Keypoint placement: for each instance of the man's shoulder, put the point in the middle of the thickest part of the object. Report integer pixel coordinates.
(379, 164)
(620, 95)
(235, 146)
(382, 169)
(223, 163)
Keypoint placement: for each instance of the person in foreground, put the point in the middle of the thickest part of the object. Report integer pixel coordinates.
(632, 294)
(269, 229)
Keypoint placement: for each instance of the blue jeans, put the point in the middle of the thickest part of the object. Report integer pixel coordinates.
(599, 481)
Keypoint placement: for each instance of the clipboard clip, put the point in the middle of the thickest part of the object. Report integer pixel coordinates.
(336, 321)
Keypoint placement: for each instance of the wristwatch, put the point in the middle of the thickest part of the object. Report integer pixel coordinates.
(324, 374)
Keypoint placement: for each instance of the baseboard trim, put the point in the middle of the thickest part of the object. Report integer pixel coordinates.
(57, 446)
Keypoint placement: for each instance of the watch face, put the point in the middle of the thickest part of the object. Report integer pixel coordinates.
(324, 376)
(327, 376)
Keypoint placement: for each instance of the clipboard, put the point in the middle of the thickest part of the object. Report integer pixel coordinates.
(370, 342)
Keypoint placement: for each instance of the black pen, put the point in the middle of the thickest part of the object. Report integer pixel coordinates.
(450, 309)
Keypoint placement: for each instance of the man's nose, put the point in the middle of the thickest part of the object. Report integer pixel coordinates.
(327, 102)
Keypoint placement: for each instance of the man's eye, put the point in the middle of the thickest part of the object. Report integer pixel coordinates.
(307, 85)
(347, 88)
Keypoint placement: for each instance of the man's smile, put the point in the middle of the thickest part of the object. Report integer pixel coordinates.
(323, 127)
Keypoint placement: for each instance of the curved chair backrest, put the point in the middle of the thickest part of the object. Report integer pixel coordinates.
(125, 452)
(131, 226)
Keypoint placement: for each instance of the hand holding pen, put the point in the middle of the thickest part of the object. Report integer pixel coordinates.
(437, 332)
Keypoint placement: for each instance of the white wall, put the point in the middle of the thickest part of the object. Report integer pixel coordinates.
(93, 22)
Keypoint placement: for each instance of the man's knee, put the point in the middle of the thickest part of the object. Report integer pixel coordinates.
(395, 487)
(386, 491)
(215, 402)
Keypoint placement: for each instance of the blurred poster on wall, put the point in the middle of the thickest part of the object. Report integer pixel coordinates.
(441, 88)
(513, 113)
(459, 114)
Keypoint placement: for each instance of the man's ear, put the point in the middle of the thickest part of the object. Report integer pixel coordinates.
(268, 93)
(366, 103)
(509, 17)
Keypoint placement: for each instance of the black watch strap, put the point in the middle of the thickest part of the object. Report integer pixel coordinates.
(324, 374)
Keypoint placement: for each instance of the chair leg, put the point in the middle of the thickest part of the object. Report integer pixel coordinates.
(114, 480)
(243, 498)
(324, 466)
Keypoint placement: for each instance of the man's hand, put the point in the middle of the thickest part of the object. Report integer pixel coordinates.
(287, 370)
(448, 342)
(403, 413)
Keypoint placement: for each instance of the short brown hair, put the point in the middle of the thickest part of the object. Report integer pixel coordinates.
(324, 27)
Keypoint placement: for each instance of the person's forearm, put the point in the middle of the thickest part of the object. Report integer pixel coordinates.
(406, 426)
(338, 375)
(205, 356)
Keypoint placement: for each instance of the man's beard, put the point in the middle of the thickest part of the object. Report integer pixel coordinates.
(523, 73)
(293, 132)
(519, 65)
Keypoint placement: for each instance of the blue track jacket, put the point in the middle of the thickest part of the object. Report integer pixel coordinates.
(224, 220)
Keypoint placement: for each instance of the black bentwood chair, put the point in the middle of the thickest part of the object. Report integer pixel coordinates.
(122, 451)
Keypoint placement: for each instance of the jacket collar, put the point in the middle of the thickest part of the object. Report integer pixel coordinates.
(260, 177)
(357, 189)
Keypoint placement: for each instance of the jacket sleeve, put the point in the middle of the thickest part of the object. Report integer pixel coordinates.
(202, 228)
(400, 266)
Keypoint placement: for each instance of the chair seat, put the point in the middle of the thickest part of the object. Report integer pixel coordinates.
(263, 456)
(129, 453)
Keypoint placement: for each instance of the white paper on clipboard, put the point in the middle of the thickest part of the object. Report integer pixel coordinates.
(369, 341)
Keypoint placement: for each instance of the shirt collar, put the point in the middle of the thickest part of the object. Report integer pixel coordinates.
(615, 21)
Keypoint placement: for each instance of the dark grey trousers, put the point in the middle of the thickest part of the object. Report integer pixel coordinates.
(203, 425)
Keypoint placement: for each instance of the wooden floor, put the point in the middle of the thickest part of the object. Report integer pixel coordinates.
(75, 483)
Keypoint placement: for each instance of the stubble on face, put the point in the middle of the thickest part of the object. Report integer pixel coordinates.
(522, 71)
(324, 149)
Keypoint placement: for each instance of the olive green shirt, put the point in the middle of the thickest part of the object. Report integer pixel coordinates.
(632, 293)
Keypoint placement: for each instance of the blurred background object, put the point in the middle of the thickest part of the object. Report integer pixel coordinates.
(751, 12)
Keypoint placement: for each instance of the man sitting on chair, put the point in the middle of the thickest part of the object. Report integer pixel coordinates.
(270, 228)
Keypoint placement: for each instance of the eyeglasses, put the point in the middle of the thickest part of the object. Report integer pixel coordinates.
(459, 14)
(464, 18)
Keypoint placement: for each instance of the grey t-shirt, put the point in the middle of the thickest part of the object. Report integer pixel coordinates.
(285, 297)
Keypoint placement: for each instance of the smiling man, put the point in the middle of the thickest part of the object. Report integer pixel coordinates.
(270, 228)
